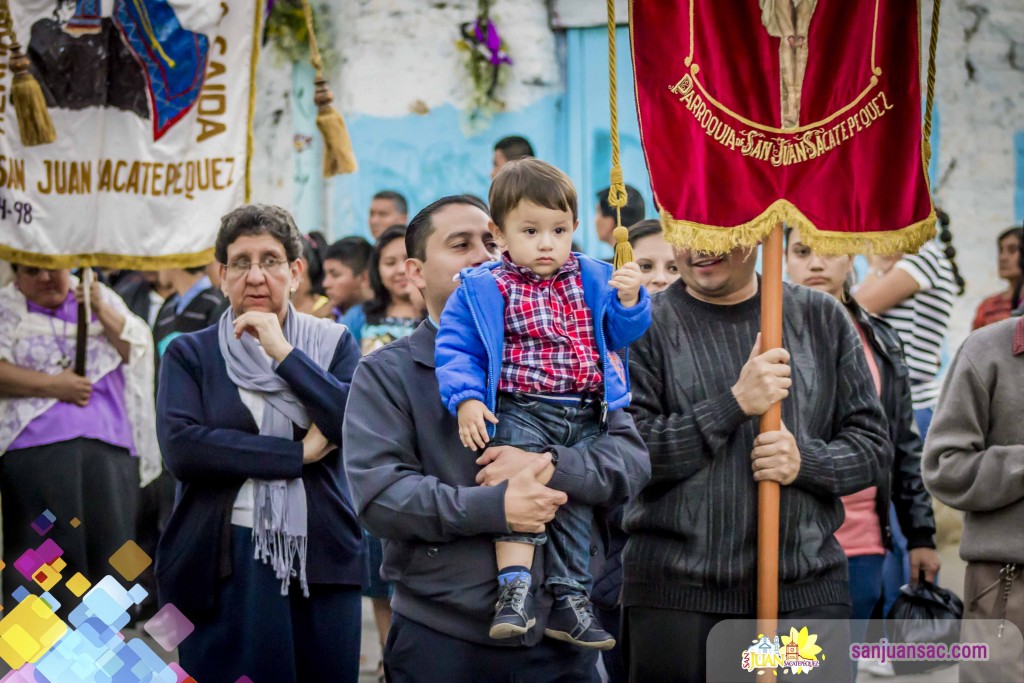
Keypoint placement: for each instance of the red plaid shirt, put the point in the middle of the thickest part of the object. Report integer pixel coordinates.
(550, 347)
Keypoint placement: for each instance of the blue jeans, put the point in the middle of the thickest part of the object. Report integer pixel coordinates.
(865, 590)
(534, 424)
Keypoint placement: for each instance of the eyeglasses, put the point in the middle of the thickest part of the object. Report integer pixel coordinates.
(267, 264)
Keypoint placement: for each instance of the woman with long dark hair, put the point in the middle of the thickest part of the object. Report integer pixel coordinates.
(396, 308)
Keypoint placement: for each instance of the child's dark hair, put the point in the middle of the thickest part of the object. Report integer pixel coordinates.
(946, 237)
(531, 180)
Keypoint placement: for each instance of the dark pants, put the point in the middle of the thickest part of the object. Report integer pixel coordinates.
(156, 501)
(611, 621)
(532, 425)
(256, 632)
(672, 645)
(417, 654)
(82, 478)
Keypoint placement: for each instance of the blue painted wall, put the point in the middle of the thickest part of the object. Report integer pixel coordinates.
(1018, 192)
(588, 125)
(428, 156)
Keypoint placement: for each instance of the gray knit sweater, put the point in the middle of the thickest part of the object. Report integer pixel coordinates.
(974, 455)
(693, 530)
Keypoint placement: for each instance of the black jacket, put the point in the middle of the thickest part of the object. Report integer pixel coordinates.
(414, 487)
(902, 483)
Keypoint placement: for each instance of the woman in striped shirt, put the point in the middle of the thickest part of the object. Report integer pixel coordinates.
(914, 293)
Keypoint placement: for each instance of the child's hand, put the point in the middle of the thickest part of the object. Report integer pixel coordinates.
(472, 424)
(627, 280)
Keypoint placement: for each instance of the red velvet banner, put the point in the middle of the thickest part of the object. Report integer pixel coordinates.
(804, 111)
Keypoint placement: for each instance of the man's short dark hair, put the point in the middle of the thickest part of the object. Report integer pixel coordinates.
(353, 251)
(396, 197)
(514, 147)
(258, 219)
(634, 210)
(421, 227)
(531, 180)
(643, 229)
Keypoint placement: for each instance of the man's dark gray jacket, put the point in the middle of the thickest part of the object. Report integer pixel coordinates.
(413, 484)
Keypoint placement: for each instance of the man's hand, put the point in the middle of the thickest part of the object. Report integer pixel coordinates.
(764, 380)
(775, 457)
(315, 446)
(924, 559)
(67, 387)
(628, 280)
(266, 328)
(473, 418)
(504, 462)
(529, 505)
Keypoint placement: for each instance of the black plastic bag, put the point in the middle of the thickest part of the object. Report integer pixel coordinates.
(924, 613)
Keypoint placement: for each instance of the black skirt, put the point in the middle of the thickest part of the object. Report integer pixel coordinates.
(82, 479)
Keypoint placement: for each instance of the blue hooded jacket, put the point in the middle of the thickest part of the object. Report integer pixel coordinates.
(471, 339)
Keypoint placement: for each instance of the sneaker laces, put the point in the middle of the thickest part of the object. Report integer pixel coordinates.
(582, 607)
(512, 593)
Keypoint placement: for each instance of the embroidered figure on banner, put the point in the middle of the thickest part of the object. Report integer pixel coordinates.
(790, 21)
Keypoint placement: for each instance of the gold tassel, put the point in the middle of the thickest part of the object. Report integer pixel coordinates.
(338, 155)
(623, 249)
(34, 122)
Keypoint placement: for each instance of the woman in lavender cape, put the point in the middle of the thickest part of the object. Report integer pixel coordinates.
(263, 552)
(75, 446)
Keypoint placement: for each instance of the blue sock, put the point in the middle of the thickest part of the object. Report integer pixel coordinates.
(510, 574)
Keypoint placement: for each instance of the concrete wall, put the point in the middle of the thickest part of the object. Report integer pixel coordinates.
(978, 173)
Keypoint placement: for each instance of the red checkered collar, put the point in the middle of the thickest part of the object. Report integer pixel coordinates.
(570, 267)
(1018, 338)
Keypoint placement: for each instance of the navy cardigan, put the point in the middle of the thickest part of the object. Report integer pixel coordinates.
(211, 443)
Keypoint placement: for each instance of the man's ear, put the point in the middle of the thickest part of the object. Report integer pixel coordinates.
(414, 271)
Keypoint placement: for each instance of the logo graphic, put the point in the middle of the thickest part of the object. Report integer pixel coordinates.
(796, 653)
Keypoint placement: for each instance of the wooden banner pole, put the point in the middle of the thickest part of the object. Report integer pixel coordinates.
(82, 337)
(768, 491)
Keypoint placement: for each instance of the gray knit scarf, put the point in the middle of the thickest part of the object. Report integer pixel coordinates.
(279, 514)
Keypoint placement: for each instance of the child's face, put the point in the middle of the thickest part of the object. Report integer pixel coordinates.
(538, 238)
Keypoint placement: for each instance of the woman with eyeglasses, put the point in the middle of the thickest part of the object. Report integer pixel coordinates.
(70, 443)
(263, 552)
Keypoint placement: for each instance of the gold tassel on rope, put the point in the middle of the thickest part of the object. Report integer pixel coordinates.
(34, 122)
(339, 157)
(617, 193)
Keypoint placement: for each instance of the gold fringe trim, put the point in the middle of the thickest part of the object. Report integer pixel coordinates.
(115, 261)
(714, 239)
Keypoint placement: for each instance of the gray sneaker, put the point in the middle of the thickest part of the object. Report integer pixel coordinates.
(573, 621)
(513, 615)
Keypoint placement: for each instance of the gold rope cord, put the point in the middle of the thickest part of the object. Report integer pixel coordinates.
(617, 191)
(929, 99)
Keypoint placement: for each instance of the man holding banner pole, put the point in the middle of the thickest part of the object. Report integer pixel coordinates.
(700, 379)
(816, 122)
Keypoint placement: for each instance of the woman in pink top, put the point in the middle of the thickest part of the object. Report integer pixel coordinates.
(865, 534)
(78, 447)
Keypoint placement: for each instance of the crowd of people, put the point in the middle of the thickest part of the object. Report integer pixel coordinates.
(526, 458)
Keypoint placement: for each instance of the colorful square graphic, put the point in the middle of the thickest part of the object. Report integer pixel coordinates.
(130, 560)
(49, 551)
(78, 584)
(169, 627)
(75, 522)
(44, 523)
(28, 631)
(46, 577)
(28, 564)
